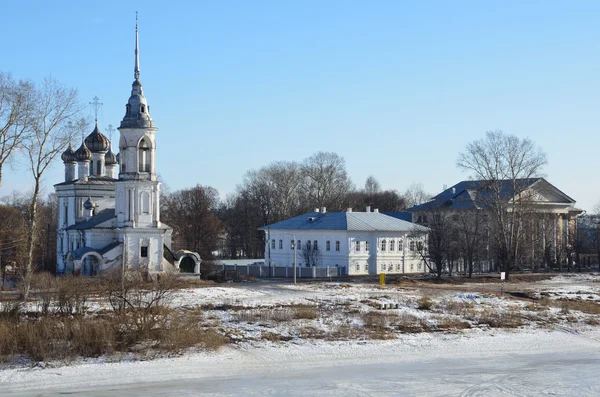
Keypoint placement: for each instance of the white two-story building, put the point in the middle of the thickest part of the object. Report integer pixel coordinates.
(361, 242)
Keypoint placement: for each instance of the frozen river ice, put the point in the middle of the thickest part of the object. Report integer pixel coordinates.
(508, 371)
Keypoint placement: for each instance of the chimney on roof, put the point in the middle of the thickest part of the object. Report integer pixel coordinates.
(349, 210)
(323, 210)
(376, 210)
(316, 210)
(368, 208)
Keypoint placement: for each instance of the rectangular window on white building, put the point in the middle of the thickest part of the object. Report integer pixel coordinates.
(392, 245)
(328, 246)
(273, 244)
(400, 245)
(357, 246)
(299, 244)
(367, 246)
(383, 245)
(337, 246)
(315, 245)
(280, 244)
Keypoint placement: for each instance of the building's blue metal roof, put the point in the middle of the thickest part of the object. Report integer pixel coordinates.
(352, 221)
(96, 220)
(80, 252)
(402, 215)
(467, 195)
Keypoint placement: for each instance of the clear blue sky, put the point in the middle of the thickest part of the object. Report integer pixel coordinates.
(397, 88)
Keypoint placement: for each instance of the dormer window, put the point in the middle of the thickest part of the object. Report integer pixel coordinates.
(127, 109)
(143, 108)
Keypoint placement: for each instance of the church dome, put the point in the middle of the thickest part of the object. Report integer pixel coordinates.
(96, 141)
(83, 153)
(89, 204)
(109, 157)
(69, 155)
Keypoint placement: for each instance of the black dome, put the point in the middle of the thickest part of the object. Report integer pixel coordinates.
(83, 153)
(69, 155)
(96, 141)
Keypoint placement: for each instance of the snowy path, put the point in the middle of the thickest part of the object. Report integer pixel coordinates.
(484, 364)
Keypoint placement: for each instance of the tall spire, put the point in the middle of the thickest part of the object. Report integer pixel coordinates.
(136, 69)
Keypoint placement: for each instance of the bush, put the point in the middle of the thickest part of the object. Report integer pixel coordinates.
(304, 312)
(424, 303)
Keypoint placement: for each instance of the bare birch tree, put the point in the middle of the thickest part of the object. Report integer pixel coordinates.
(55, 119)
(505, 164)
(16, 105)
(415, 194)
(325, 180)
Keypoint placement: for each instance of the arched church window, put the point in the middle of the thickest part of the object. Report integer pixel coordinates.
(99, 167)
(143, 156)
(143, 108)
(127, 109)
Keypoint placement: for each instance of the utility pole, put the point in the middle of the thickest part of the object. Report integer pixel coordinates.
(294, 237)
(269, 248)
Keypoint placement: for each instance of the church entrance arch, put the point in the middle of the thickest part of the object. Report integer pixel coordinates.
(187, 264)
(90, 264)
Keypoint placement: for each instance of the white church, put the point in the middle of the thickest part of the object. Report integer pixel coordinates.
(108, 220)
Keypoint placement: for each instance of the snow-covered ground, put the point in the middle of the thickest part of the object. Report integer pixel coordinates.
(362, 339)
(527, 363)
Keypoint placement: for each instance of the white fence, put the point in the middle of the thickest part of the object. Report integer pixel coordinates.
(284, 271)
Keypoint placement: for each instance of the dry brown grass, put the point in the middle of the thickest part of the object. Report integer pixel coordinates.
(305, 312)
(500, 320)
(589, 307)
(451, 323)
(424, 303)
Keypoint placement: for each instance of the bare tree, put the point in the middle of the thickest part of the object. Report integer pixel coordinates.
(12, 238)
(311, 254)
(276, 189)
(372, 185)
(415, 194)
(471, 227)
(54, 120)
(505, 164)
(192, 214)
(384, 200)
(325, 180)
(16, 106)
(438, 250)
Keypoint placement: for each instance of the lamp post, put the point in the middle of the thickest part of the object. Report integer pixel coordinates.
(294, 245)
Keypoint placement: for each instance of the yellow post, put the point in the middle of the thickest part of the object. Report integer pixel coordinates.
(381, 278)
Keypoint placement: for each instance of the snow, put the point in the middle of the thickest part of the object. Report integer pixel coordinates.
(548, 336)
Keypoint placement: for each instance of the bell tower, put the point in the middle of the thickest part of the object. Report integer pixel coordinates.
(137, 192)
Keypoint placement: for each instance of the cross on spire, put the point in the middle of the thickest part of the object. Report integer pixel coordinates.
(136, 69)
(96, 104)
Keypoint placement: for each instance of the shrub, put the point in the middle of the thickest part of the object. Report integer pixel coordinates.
(424, 303)
(304, 312)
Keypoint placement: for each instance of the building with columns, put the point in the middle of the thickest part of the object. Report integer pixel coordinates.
(546, 223)
(106, 219)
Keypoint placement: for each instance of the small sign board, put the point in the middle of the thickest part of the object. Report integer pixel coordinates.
(381, 278)
(502, 275)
